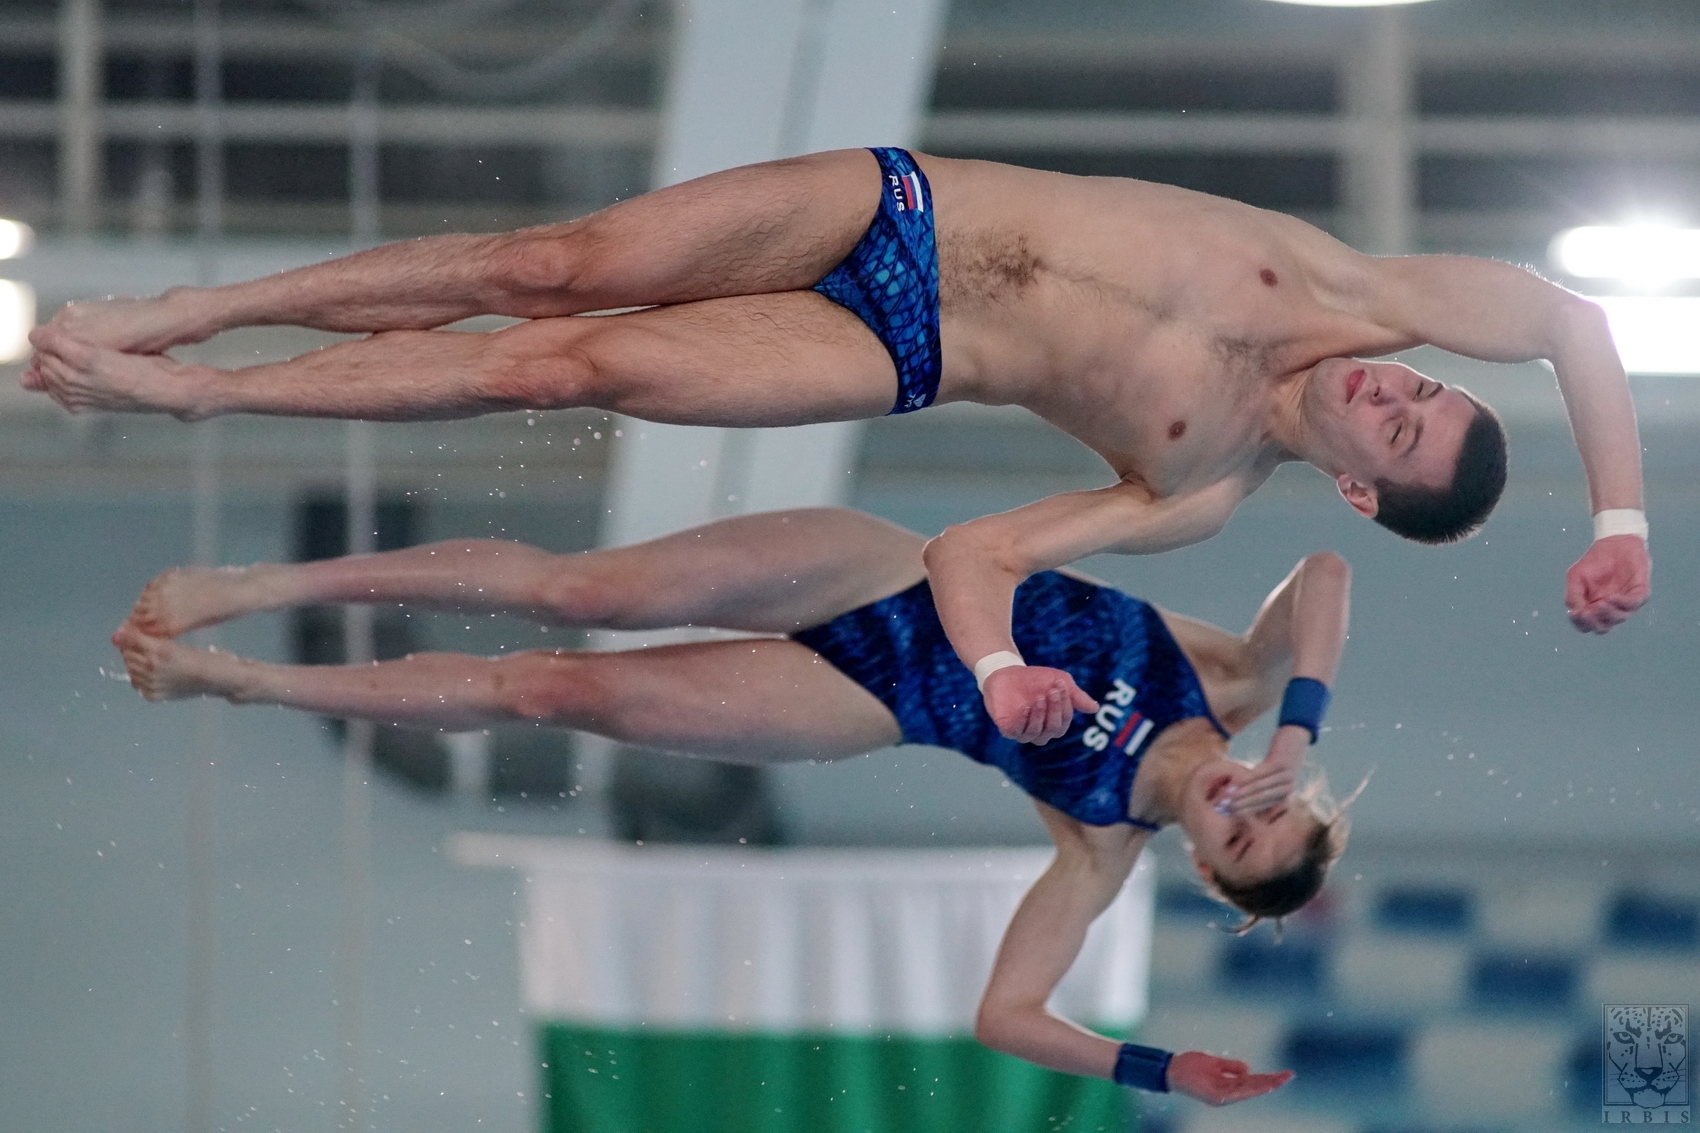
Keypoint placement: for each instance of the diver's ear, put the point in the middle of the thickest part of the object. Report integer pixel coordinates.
(1362, 497)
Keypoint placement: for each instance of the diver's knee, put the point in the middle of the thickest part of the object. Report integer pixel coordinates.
(537, 685)
(540, 264)
(585, 597)
(539, 366)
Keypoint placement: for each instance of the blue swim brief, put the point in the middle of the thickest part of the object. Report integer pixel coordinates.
(890, 279)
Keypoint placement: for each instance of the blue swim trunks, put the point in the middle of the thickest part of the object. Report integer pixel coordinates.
(890, 279)
(1116, 647)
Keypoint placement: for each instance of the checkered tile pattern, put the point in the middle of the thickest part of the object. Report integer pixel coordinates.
(1463, 1000)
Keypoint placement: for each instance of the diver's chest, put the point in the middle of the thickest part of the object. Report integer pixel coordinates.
(1176, 423)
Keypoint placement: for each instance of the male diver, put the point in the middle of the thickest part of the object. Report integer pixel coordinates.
(1194, 343)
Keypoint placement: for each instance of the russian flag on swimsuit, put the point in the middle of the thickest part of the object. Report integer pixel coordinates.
(909, 194)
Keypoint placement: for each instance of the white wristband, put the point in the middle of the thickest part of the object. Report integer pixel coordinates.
(1620, 521)
(991, 663)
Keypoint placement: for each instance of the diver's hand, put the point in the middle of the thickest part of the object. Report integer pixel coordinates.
(1273, 780)
(1608, 583)
(1220, 1081)
(1033, 704)
(136, 326)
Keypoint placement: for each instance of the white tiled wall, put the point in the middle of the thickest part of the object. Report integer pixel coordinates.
(1375, 971)
(1486, 1071)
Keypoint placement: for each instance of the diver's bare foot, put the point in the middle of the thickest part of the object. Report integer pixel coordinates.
(82, 377)
(187, 598)
(161, 669)
(135, 326)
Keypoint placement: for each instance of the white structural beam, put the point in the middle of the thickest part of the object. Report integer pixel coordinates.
(161, 32)
(869, 74)
(861, 79)
(497, 43)
(728, 90)
(200, 1005)
(753, 81)
(1227, 132)
(749, 82)
(729, 85)
(1531, 48)
(1112, 132)
(319, 122)
(1378, 175)
(1609, 136)
(78, 114)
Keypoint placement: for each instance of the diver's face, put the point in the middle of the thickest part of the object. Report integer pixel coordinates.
(1240, 849)
(1376, 421)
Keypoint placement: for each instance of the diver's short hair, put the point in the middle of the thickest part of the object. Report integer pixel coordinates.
(1457, 511)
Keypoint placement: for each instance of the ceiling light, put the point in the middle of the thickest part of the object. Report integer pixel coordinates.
(1654, 333)
(1647, 256)
(1349, 3)
(17, 319)
(15, 239)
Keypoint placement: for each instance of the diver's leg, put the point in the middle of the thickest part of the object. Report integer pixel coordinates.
(783, 359)
(771, 573)
(776, 226)
(740, 701)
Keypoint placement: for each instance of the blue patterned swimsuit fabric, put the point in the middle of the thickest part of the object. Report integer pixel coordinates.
(890, 279)
(1116, 647)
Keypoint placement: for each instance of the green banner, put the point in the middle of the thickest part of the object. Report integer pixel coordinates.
(597, 1080)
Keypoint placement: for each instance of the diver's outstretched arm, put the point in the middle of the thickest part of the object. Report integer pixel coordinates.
(1499, 313)
(1042, 941)
(772, 573)
(740, 701)
(1299, 633)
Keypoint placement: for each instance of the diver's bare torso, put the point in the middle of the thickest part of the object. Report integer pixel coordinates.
(1154, 324)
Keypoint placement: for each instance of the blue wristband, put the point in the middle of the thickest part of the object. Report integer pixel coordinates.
(1143, 1067)
(1305, 703)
